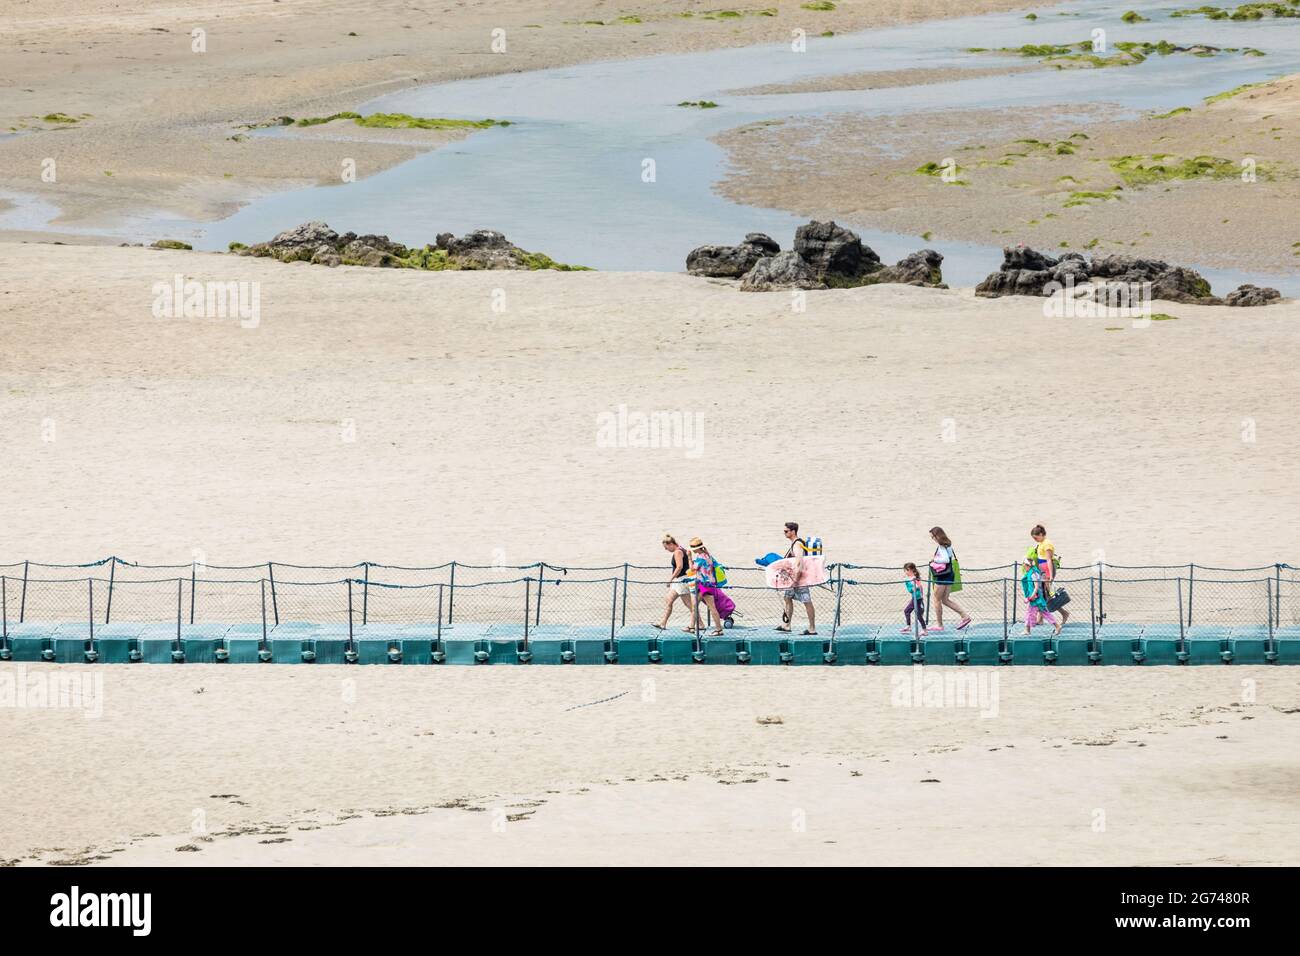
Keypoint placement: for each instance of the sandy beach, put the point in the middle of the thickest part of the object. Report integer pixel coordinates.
(235, 766)
(176, 435)
(173, 435)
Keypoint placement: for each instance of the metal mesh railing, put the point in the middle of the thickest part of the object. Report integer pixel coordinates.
(542, 594)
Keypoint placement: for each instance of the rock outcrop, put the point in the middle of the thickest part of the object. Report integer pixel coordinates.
(920, 268)
(825, 255)
(1025, 271)
(836, 255)
(1173, 283)
(1250, 295)
(785, 270)
(485, 249)
(317, 243)
(731, 262)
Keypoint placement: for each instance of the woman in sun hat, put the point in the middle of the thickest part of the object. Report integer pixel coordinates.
(706, 586)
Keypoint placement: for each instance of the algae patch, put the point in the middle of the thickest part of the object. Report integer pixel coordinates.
(398, 121)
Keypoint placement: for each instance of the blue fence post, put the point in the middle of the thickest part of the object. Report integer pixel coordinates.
(1268, 590)
(112, 568)
(1092, 608)
(365, 597)
(180, 602)
(839, 600)
(263, 583)
(623, 620)
(541, 567)
(839, 591)
(528, 601)
(1182, 634)
(22, 601)
(91, 582)
(1191, 577)
(4, 608)
(1015, 605)
(1101, 596)
(1277, 595)
(1006, 590)
(451, 594)
(193, 581)
(613, 610)
(439, 616)
(275, 605)
(363, 620)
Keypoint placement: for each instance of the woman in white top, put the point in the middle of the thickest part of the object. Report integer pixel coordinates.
(942, 567)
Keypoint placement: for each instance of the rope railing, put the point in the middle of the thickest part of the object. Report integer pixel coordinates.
(556, 597)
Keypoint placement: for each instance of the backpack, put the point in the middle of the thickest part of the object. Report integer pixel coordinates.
(812, 545)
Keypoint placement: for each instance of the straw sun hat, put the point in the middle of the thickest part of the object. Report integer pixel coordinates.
(696, 544)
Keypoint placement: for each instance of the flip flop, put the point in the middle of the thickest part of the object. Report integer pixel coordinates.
(965, 623)
(659, 627)
(715, 634)
(810, 633)
(784, 630)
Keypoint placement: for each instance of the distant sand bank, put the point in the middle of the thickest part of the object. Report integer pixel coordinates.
(1017, 190)
(159, 118)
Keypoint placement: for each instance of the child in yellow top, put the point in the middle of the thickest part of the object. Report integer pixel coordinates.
(1047, 558)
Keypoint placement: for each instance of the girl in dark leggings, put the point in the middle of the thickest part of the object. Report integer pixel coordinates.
(916, 593)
